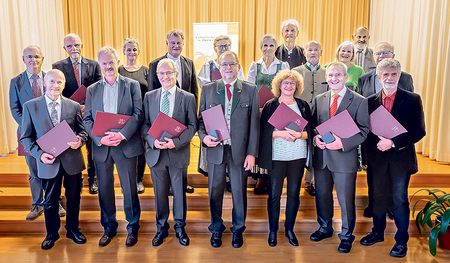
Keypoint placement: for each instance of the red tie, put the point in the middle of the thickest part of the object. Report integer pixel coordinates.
(228, 92)
(333, 107)
(77, 73)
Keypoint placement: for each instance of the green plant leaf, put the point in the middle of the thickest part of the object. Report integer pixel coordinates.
(419, 219)
(428, 213)
(443, 199)
(445, 221)
(414, 207)
(432, 243)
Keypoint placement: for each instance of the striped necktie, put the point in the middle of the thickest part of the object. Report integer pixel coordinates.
(77, 72)
(165, 103)
(333, 107)
(35, 88)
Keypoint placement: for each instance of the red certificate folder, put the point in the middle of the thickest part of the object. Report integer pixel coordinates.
(264, 94)
(79, 94)
(105, 121)
(216, 75)
(164, 123)
(20, 149)
(341, 124)
(284, 115)
(214, 119)
(382, 123)
(55, 141)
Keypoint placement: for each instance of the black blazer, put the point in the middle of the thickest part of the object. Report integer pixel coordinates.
(265, 145)
(366, 83)
(407, 110)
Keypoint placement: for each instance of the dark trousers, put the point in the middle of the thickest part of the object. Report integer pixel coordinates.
(390, 185)
(52, 189)
(126, 168)
(90, 161)
(163, 175)
(37, 195)
(140, 168)
(293, 171)
(345, 189)
(216, 185)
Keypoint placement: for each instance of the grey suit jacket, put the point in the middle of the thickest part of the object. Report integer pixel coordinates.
(344, 160)
(129, 103)
(369, 63)
(244, 120)
(188, 73)
(185, 112)
(366, 82)
(19, 93)
(37, 122)
(314, 83)
(90, 73)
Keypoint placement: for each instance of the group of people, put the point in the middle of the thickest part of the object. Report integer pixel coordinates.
(169, 85)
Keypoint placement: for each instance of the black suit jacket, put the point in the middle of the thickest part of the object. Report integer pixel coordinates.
(90, 73)
(295, 59)
(265, 143)
(408, 110)
(188, 74)
(366, 83)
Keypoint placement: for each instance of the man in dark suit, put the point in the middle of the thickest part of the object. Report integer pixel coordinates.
(363, 53)
(237, 154)
(119, 95)
(393, 161)
(79, 71)
(168, 160)
(336, 162)
(290, 52)
(40, 115)
(24, 87)
(370, 84)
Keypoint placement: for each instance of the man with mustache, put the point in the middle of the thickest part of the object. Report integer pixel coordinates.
(119, 95)
(289, 52)
(79, 71)
(363, 54)
(313, 85)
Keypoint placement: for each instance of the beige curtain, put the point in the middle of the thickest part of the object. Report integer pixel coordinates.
(419, 30)
(23, 23)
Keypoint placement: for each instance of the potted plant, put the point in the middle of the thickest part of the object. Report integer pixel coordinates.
(438, 208)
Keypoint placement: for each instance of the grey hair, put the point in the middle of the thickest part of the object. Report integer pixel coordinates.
(49, 73)
(345, 44)
(228, 53)
(266, 37)
(388, 63)
(71, 35)
(177, 33)
(292, 22)
(385, 43)
(166, 61)
(107, 50)
(337, 64)
(130, 41)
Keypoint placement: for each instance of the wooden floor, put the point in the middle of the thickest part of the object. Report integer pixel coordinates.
(20, 239)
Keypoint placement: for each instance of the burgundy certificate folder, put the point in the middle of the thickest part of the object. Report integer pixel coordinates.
(341, 124)
(216, 75)
(105, 121)
(284, 115)
(55, 141)
(79, 94)
(214, 119)
(382, 123)
(20, 149)
(164, 123)
(264, 94)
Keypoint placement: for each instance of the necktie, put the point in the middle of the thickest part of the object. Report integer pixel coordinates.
(35, 89)
(333, 107)
(54, 113)
(228, 92)
(77, 72)
(165, 103)
(359, 58)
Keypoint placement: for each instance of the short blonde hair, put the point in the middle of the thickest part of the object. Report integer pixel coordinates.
(176, 33)
(345, 44)
(166, 61)
(284, 74)
(228, 53)
(107, 50)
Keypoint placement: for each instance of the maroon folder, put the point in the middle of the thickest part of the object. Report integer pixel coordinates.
(382, 123)
(164, 123)
(20, 149)
(55, 141)
(265, 94)
(216, 75)
(105, 121)
(341, 124)
(214, 119)
(284, 115)
(79, 94)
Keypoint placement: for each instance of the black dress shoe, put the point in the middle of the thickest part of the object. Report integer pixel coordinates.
(272, 240)
(49, 241)
(216, 239)
(310, 190)
(291, 237)
(93, 188)
(106, 239)
(159, 238)
(132, 239)
(399, 250)
(76, 236)
(368, 212)
(371, 238)
(237, 241)
(318, 236)
(345, 246)
(189, 189)
(183, 238)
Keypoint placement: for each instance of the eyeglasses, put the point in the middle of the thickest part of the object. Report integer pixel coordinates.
(168, 73)
(37, 57)
(229, 64)
(226, 46)
(288, 83)
(383, 53)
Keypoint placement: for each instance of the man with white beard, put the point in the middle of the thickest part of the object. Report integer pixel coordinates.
(363, 54)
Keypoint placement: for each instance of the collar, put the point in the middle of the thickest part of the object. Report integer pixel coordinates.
(311, 67)
(171, 90)
(340, 93)
(231, 83)
(363, 50)
(172, 57)
(115, 82)
(290, 51)
(40, 74)
(392, 97)
(73, 61)
(48, 100)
